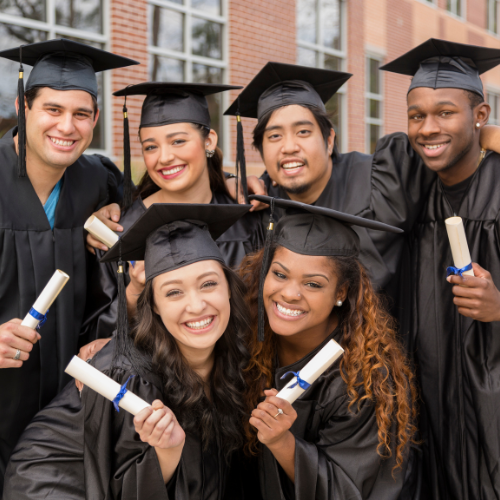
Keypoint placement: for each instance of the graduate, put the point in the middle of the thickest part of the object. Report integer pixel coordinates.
(183, 165)
(49, 189)
(350, 434)
(186, 355)
(454, 331)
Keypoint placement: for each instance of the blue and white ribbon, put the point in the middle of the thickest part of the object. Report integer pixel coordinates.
(456, 271)
(121, 393)
(301, 382)
(42, 318)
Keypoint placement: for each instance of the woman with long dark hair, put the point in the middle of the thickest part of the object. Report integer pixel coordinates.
(186, 354)
(183, 165)
(350, 434)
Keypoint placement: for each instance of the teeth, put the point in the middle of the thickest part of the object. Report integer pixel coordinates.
(61, 143)
(289, 312)
(293, 164)
(198, 325)
(171, 171)
(427, 146)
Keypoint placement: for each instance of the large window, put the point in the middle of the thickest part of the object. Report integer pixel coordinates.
(29, 21)
(186, 43)
(494, 101)
(455, 7)
(320, 44)
(492, 15)
(374, 103)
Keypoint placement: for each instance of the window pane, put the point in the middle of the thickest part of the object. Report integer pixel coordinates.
(12, 36)
(374, 107)
(206, 38)
(374, 135)
(81, 14)
(449, 5)
(165, 69)
(306, 21)
(211, 6)
(331, 23)
(332, 63)
(306, 57)
(374, 76)
(29, 9)
(209, 74)
(166, 28)
(334, 110)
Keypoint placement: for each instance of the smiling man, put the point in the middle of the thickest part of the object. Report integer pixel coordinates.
(47, 194)
(455, 329)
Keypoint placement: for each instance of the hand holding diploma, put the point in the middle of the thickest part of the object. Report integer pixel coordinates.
(109, 216)
(13, 337)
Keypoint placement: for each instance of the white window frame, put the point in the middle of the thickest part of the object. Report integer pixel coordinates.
(430, 3)
(321, 51)
(189, 59)
(453, 11)
(376, 97)
(496, 92)
(490, 10)
(52, 29)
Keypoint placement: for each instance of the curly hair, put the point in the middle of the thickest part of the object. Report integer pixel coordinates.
(221, 417)
(373, 366)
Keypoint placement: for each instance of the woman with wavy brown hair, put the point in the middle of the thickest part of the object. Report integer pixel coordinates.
(350, 434)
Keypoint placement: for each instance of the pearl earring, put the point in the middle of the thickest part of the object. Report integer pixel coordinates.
(339, 303)
(478, 124)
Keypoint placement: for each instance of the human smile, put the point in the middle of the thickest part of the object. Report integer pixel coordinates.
(200, 325)
(172, 172)
(433, 150)
(287, 312)
(62, 144)
(292, 167)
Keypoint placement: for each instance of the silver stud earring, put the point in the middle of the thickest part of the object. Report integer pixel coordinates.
(339, 303)
(209, 152)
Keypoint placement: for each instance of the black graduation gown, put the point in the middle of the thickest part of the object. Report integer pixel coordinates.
(244, 237)
(388, 186)
(457, 358)
(30, 252)
(75, 450)
(335, 448)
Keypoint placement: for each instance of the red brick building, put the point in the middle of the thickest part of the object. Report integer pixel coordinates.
(230, 40)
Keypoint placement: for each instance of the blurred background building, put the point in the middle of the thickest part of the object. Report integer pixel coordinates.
(228, 41)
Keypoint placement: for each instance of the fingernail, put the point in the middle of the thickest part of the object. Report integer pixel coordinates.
(115, 218)
(119, 228)
(104, 248)
(448, 279)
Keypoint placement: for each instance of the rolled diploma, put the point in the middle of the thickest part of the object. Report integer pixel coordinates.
(103, 385)
(458, 243)
(100, 231)
(46, 299)
(312, 371)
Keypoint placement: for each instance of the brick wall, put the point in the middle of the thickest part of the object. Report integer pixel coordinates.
(259, 31)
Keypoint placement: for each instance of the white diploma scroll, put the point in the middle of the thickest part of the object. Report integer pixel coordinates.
(458, 243)
(45, 300)
(100, 231)
(103, 385)
(312, 371)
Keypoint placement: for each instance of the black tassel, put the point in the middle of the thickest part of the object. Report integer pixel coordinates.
(127, 170)
(263, 273)
(241, 166)
(21, 120)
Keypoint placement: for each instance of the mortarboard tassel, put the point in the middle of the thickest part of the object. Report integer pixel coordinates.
(21, 120)
(241, 166)
(122, 316)
(127, 171)
(263, 273)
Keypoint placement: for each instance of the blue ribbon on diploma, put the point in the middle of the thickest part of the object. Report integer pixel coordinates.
(42, 318)
(121, 393)
(456, 271)
(301, 382)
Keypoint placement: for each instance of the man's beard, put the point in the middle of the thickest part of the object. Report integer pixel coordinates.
(301, 189)
(459, 156)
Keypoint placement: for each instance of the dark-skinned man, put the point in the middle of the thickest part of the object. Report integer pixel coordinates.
(454, 331)
(45, 199)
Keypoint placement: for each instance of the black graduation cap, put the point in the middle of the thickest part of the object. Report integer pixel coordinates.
(311, 230)
(60, 64)
(441, 64)
(169, 236)
(277, 85)
(166, 102)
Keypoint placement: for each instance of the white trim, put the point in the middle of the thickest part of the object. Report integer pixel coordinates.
(225, 140)
(463, 9)
(187, 9)
(431, 3)
(369, 120)
(183, 56)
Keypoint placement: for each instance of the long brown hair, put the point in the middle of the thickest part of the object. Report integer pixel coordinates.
(147, 187)
(373, 366)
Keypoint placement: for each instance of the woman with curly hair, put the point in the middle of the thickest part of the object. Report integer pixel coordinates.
(185, 355)
(349, 435)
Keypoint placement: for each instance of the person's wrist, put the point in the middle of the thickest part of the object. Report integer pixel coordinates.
(283, 442)
(133, 290)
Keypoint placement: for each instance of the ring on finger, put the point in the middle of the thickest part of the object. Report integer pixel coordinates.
(18, 354)
(280, 412)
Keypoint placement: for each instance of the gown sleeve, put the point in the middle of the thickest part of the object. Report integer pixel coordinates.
(336, 460)
(115, 182)
(48, 459)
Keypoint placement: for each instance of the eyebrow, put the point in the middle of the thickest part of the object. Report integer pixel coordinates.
(440, 103)
(304, 275)
(294, 124)
(178, 282)
(168, 136)
(58, 106)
